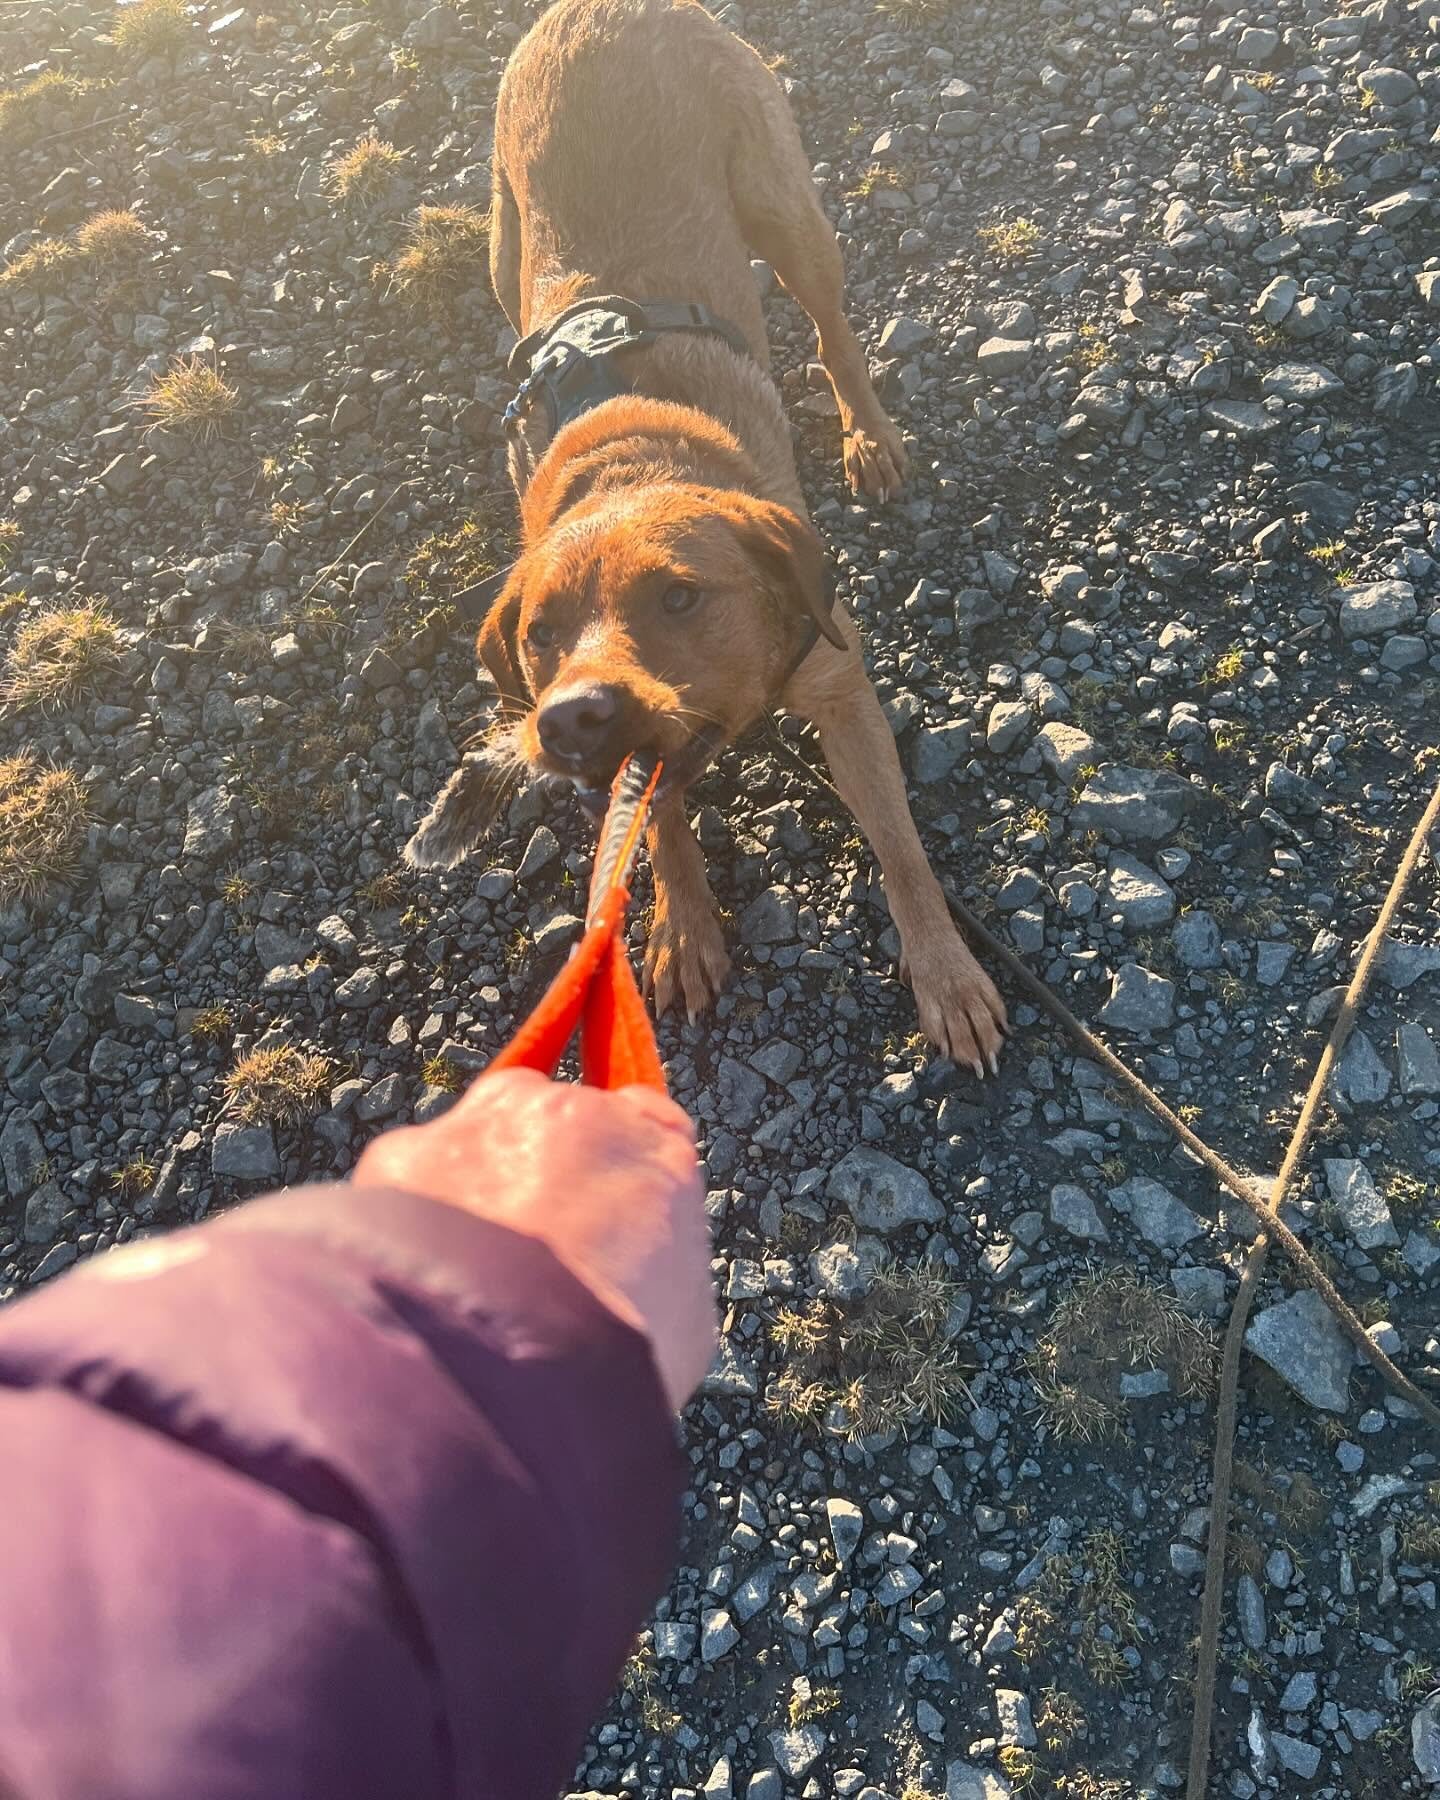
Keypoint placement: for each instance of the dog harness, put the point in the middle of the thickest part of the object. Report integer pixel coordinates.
(567, 364)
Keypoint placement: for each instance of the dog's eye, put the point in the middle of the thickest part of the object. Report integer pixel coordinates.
(539, 635)
(680, 598)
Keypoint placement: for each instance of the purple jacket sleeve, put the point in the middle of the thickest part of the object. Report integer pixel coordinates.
(346, 1495)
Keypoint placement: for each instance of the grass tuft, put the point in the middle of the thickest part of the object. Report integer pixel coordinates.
(21, 108)
(10, 535)
(135, 1177)
(42, 266)
(439, 1072)
(1111, 1324)
(190, 397)
(112, 237)
(151, 27)
(365, 171)
(884, 1362)
(213, 1024)
(42, 825)
(1011, 241)
(445, 247)
(281, 1085)
(58, 655)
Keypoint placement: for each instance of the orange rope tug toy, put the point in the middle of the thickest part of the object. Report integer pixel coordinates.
(596, 991)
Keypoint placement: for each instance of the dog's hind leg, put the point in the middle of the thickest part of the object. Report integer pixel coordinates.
(783, 222)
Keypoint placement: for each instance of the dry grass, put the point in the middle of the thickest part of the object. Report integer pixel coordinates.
(365, 171)
(58, 655)
(45, 264)
(1011, 241)
(382, 891)
(439, 1072)
(151, 27)
(42, 825)
(1085, 1586)
(21, 108)
(445, 247)
(191, 397)
(885, 1362)
(640, 1680)
(113, 238)
(1108, 1325)
(279, 1086)
(10, 535)
(445, 562)
(135, 1177)
(212, 1024)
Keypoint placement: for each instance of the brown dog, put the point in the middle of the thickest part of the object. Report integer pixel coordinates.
(670, 586)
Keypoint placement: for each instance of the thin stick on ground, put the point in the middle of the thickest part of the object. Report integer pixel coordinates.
(1207, 1655)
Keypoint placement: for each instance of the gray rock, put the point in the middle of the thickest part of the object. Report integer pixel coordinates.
(1360, 1203)
(1391, 87)
(1250, 1609)
(244, 1152)
(1419, 1062)
(1425, 1739)
(674, 1641)
(741, 1094)
(770, 918)
(1072, 1209)
(1138, 894)
(1395, 389)
(964, 1781)
(1066, 749)
(1302, 382)
(1156, 1214)
(56, 1259)
(1272, 962)
(1012, 1713)
(1300, 1692)
(1361, 1078)
(22, 1155)
(847, 1526)
(1197, 940)
(1295, 795)
(796, 1750)
(1131, 805)
(276, 949)
(43, 1212)
(765, 1784)
(1003, 356)
(1402, 963)
(1302, 1343)
(718, 1635)
(937, 752)
(1372, 608)
(1139, 1000)
(1296, 1755)
(360, 990)
(212, 824)
(904, 335)
(882, 1194)
(1245, 419)
(1008, 723)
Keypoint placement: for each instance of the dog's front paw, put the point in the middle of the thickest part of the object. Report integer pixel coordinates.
(960, 1008)
(875, 460)
(686, 962)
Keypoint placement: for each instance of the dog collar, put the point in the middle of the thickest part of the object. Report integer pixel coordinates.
(566, 364)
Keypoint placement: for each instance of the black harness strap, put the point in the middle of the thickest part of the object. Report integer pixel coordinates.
(566, 363)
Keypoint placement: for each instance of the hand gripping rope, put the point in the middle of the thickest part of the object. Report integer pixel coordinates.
(596, 991)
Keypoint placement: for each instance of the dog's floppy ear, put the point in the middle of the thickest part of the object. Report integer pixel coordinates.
(498, 643)
(792, 556)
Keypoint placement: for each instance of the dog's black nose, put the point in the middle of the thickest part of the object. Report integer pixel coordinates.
(578, 724)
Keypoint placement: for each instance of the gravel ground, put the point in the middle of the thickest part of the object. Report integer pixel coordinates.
(1153, 292)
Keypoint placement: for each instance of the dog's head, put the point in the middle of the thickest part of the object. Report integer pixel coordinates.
(658, 618)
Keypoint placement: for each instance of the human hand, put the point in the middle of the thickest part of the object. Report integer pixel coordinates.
(609, 1181)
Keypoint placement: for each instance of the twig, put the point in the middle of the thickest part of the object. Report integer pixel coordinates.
(1207, 1655)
